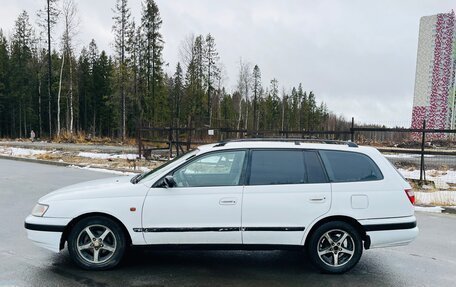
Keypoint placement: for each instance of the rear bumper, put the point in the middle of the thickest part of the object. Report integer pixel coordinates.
(389, 238)
(390, 232)
(46, 232)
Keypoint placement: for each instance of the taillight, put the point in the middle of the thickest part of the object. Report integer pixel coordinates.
(410, 195)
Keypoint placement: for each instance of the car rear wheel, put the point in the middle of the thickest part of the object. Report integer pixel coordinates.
(96, 243)
(335, 247)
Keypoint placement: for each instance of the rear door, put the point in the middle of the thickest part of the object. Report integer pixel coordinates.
(286, 190)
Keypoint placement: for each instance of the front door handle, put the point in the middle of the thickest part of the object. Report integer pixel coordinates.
(227, 201)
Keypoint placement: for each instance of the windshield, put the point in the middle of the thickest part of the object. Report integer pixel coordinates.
(174, 161)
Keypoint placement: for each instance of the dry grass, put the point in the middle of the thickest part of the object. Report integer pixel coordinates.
(126, 164)
(87, 138)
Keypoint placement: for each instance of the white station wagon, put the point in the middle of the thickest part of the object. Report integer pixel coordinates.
(331, 200)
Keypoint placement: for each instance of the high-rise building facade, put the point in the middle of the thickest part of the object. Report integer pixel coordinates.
(434, 96)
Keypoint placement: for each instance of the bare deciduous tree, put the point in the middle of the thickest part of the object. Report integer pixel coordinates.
(243, 87)
(71, 22)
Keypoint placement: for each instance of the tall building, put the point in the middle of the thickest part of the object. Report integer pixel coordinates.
(434, 97)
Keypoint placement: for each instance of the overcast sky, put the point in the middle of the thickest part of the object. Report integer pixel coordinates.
(358, 56)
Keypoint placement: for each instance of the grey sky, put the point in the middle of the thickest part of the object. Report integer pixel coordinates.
(358, 56)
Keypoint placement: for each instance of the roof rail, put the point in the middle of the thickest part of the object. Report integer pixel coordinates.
(297, 141)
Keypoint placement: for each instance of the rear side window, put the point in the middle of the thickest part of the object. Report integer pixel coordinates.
(277, 167)
(350, 166)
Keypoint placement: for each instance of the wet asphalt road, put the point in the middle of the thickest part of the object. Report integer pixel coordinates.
(429, 261)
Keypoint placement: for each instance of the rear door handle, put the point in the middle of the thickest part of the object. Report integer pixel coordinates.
(317, 199)
(227, 201)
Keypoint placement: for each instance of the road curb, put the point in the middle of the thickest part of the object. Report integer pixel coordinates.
(63, 164)
(449, 210)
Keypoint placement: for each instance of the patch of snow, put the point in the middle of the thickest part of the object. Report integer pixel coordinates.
(432, 209)
(143, 168)
(21, 152)
(447, 176)
(107, 155)
(406, 155)
(102, 170)
(441, 184)
(440, 197)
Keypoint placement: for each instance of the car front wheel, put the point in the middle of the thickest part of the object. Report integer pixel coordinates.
(335, 247)
(96, 243)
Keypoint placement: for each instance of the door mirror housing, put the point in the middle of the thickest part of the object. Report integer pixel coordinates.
(169, 181)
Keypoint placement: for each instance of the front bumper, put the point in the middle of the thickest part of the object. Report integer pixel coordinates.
(46, 232)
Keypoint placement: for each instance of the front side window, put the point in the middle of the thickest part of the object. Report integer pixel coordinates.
(350, 166)
(277, 167)
(214, 169)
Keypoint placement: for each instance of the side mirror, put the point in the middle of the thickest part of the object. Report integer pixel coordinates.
(169, 181)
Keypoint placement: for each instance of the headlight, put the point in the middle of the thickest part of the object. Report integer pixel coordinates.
(40, 209)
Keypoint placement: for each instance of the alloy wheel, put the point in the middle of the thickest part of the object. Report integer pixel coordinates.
(96, 244)
(336, 247)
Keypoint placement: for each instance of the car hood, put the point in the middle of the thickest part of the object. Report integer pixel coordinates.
(107, 187)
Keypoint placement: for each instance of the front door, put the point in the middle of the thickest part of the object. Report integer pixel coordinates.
(204, 207)
(286, 191)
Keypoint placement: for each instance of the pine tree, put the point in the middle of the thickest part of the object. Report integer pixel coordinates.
(21, 84)
(152, 55)
(84, 89)
(107, 105)
(122, 28)
(4, 83)
(211, 59)
(178, 91)
(96, 100)
(47, 20)
(256, 76)
(274, 104)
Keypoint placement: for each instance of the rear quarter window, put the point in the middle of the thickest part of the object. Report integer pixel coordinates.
(345, 166)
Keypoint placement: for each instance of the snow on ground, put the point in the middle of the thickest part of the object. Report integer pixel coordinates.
(447, 176)
(432, 209)
(439, 197)
(441, 179)
(107, 155)
(102, 170)
(143, 168)
(406, 155)
(21, 152)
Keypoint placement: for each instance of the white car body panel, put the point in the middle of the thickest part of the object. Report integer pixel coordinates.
(273, 206)
(379, 202)
(187, 207)
(111, 196)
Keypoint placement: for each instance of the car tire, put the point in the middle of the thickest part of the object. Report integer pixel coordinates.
(335, 247)
(96, 243)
